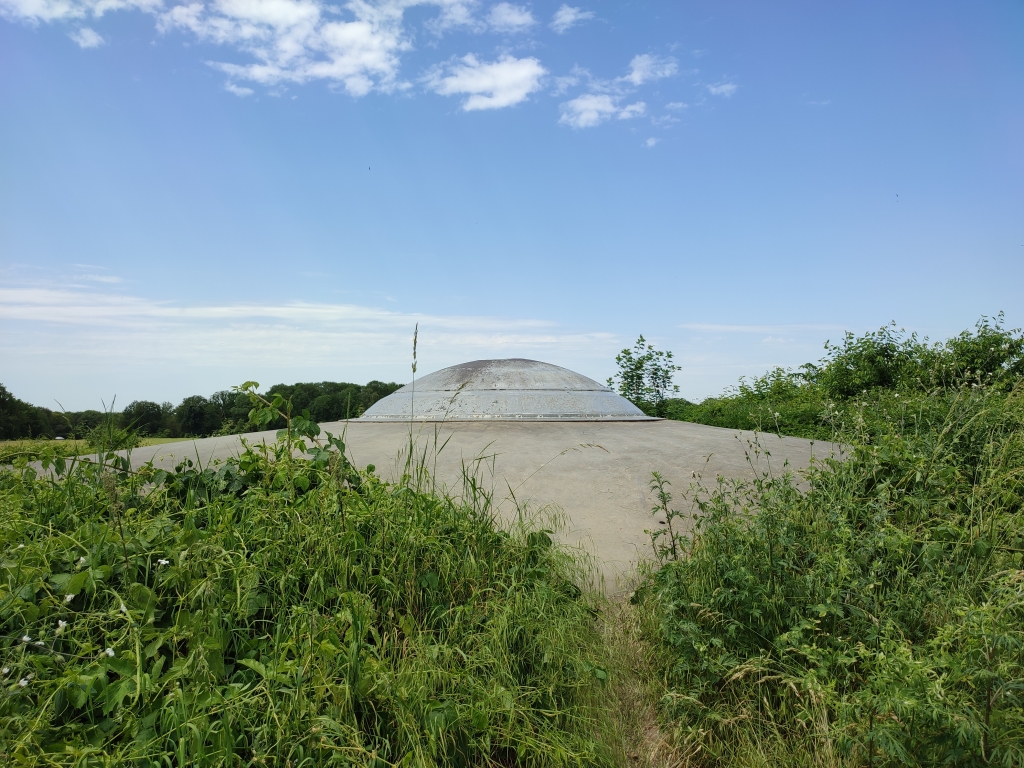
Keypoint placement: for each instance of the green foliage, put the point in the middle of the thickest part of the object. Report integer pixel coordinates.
(864, 383)
(224, 412)
(645, 377)
(333, 401)
(144, 417)
(284, 609)
(870, 612)
(19, 419)
(197, 416)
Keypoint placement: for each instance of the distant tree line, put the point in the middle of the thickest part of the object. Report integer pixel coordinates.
(223, 412)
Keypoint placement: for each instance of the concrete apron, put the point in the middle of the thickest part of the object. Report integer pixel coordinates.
(597, 473)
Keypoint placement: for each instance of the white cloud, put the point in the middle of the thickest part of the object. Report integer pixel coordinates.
(676, 105)
(647, 67)
(357, 44)
(592, 109)
(237, 89)
(455, 14)
(502, 83)
(651, 142)
(87, 38)
(297, 41)
(588, 110)
(633, 110)
(35, 11)
(567, 17)
(505, 17)
(722, 89)
(563, 83)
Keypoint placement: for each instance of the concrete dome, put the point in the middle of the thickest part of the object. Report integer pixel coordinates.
(513, 389)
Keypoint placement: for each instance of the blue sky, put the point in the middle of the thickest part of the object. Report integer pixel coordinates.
(194, 193)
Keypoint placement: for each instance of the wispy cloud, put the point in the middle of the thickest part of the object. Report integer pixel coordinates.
(36, 11)
(647, 67)
(651, 142)
(358, 47)
(501, 83)
(357, 43)
(508, 18)
(759, 329)
(588, 110)
(603, 101)
(567, 17)
(630, 111)
(107, 336)
(238, 90)
(725, 90)
(108, 279)
(87, 38)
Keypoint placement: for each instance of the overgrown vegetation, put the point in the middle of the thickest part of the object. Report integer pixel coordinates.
(871, 611)
(285, 611)
(863, 383)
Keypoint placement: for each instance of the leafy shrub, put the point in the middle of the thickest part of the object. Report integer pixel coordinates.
(284, 611)
(863, 383)
(870, 612)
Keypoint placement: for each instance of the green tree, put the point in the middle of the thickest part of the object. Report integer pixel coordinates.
(645, 377)
(197, 416)
(20, 419)
(143, 416)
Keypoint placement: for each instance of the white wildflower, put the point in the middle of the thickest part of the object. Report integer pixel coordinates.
(164, 562)
(7, 671)
(109, 652)
(68, 598)
(40, 643)
(124, 608)
(21, 546)
(60, 626)
(23, 682)
(81, 561)
(26, 639)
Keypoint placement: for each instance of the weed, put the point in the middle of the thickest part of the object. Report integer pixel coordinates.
(285, 608)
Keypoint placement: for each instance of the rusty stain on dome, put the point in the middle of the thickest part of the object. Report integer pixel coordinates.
(508, 390)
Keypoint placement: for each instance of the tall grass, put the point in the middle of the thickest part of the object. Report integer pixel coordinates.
(869, 612)
(286, 611)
